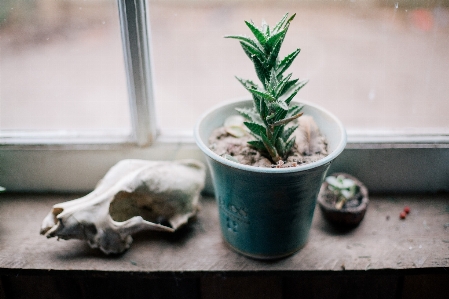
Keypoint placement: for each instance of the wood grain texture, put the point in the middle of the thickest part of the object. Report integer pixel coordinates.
(94, 287)
(382, 241)
(435, 286)
(341, 285)
(252, 286)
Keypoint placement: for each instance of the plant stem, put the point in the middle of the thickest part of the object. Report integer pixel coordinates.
(287, 120)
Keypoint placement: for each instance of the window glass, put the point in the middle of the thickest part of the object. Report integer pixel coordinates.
(380, 66)
(62, 66)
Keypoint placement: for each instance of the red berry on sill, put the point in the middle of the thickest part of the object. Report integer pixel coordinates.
(403, 215)
(407, 209)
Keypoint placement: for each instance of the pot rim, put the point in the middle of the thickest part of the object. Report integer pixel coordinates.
(338, 149)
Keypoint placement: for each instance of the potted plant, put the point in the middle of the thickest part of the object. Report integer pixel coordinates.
(266, 212)
(343, 200)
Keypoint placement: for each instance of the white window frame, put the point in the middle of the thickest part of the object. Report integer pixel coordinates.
(385, 161)
(134, 20)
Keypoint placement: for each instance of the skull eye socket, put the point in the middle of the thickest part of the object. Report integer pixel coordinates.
(126, 205)
(56, 212)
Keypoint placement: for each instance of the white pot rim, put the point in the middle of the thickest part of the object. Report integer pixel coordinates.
(331, 156)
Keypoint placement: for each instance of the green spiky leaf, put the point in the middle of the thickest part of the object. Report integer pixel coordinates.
(256, 129)
(271, 117)
(288, 86)
(294, 110)
(257, 144)
(251, 51)
(263, 94)
(289, 145)
(263, 108)
(282, 104)
(280, 114)
(246, 40)
(275, 39)
(280, 146)
(287, 61)
(273, 56)
(250, 114)
(291, 19)
(288, 132)
(270, 148)
(261, 72)
(280, 24)
(265, 28)
(298, 86)
(271, 83)
(277, 132)
(248, 84)
(272, 109)
(281, 85)
(257, 33)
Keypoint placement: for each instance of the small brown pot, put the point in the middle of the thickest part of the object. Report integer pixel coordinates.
(346, 216)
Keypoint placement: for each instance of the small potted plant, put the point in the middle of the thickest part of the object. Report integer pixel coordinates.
(266, 212)
(343, 199)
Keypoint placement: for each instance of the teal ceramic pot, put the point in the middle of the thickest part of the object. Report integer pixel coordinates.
(266, 213)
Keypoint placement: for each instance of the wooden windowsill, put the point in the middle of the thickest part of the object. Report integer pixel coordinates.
(384, 257)
(381, 242)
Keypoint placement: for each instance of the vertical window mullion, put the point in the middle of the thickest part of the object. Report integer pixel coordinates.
(136, 48)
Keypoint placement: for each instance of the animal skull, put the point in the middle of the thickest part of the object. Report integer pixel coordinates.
(134, 195)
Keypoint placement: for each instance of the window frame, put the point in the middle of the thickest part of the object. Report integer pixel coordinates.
(396, 162)
(136, 42)
(136, 39)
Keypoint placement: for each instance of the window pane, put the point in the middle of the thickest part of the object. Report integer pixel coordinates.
(377, 65)
(62, 66)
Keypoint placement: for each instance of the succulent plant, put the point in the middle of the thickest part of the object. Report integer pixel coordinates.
(343, 188)
(273, 109)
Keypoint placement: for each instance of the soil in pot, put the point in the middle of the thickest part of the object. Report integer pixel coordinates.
(232, 141)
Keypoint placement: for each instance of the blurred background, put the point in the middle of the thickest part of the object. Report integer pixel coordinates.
(380, 66)
(62, 66)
